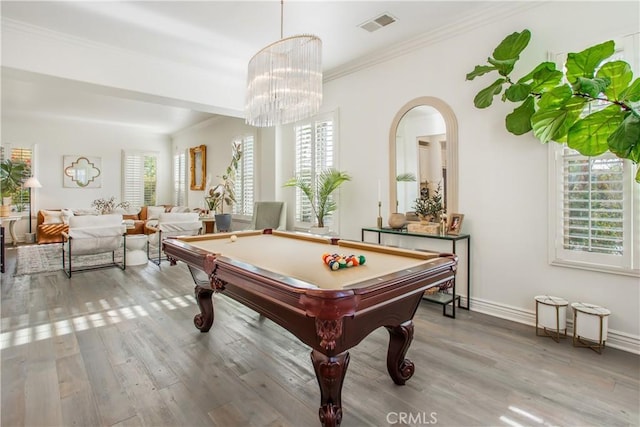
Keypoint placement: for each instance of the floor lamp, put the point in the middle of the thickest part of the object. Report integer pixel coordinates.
(31, 183)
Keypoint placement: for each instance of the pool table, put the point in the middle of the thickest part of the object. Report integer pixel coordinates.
(282, 276)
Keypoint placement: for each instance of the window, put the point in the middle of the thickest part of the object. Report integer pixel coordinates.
(244, 185)
(315, 148)
(594, 205)
(180, 179)
(22, 157)
(139, 181)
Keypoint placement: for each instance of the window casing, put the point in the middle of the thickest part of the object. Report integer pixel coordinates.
(315, 147)
(594, 207)
(140, 177)
(245, 178)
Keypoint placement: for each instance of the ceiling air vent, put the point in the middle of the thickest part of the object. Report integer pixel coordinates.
(377, 23)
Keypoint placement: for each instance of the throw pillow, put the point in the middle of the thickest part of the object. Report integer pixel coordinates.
(66, 214)
(52, 217)
(153, 212)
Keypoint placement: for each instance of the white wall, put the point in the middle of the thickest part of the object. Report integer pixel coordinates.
(503, 178)
(57, 138)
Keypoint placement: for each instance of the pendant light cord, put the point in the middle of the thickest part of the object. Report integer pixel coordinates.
(281, 19)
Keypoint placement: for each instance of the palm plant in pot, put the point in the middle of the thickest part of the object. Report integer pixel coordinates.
(319, 194)
(224, 192)
(12, 174)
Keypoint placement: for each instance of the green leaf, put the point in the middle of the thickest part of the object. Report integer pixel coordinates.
(632, 93)
(517, 92)
(583, 64)
(519, 121)
(638, 175)
(619, 74)
(484, 98)
(480, 70)
(545, 65)
(591, 87)
(554, 123)
(504, 67)
(555, 97)
(589, 135)
(545, 79)
(512, 45)
(624, 142)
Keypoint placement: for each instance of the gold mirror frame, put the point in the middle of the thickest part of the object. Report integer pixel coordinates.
(198, 159)
(451, 123)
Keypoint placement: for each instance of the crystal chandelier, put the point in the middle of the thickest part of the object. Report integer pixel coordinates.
(284, 82)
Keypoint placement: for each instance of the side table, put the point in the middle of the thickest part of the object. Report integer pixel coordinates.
(590, 323)
(136, 253)
(551, 315)
(208, 224)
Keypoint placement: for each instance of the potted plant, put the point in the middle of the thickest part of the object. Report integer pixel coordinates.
(224, 192)
(429, 206)
(11, 176)
(319, 193)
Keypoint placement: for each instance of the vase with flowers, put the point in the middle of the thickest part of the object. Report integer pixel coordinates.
(223, 193)
(106, 206)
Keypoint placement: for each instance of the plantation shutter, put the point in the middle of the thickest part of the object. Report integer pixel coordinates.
(314, 153)
(244, 185)
(593, 210)
(139, 179)
(304, 170)
(179, 179)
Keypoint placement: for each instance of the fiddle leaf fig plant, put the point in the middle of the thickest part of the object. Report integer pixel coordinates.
(593, 106)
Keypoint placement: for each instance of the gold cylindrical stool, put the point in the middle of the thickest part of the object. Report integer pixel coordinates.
(551, 317)
(590, 325)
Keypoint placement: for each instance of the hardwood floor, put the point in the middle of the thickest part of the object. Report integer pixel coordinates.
(118, 348)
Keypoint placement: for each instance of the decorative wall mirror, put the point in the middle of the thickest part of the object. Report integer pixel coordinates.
(423, 151)
(198, 158)
(83, 172)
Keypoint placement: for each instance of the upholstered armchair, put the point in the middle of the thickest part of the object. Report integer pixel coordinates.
(92, 235)
(170, 225)
(269, 215)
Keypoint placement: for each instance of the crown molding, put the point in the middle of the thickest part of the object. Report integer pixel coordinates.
(497, 11)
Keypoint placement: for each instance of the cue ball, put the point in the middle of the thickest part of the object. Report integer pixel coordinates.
(233, 237)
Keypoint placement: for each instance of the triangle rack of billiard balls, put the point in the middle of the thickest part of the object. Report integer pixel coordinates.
(336, 262)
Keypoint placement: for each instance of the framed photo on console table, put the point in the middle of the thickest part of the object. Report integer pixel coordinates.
(455, 224)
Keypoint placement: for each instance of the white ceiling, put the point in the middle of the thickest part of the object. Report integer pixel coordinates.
(218, 36)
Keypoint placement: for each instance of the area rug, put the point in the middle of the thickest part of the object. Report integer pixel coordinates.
(34, 259)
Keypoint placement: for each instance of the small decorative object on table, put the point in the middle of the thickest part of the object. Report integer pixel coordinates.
(429, 208)
(455, 224)
(335, 261)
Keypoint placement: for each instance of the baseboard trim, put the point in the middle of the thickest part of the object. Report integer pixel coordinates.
(616, 339)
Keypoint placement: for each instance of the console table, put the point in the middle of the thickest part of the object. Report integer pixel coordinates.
(402, 237)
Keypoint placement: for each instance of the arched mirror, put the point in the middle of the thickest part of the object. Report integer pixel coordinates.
(423, 153)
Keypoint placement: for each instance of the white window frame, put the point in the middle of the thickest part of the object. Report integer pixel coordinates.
(333, 221)
(629, 262)
(243, 180)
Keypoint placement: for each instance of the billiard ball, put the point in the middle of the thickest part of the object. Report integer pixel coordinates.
(233, 238)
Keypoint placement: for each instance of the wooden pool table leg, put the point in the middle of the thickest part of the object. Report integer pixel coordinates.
(400, 338)
(330, 372)
(204, 319)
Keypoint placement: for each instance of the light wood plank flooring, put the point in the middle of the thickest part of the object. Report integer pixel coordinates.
(114, 348)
